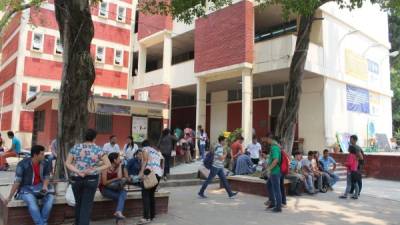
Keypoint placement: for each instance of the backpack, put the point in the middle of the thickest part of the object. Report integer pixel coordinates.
(209, 160)
(285, 161)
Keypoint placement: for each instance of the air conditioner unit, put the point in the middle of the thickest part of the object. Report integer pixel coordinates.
(143, 96)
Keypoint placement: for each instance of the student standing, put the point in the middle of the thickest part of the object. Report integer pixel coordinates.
(273, 183)
(83, 161)
(255, 150)
(152, 162)
(217, 168)
(351, 165)
(166, 145)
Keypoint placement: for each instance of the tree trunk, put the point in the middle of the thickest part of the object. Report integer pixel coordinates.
(76, 33)
(288, 116)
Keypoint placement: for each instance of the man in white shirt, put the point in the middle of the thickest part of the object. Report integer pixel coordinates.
(111, 146)
(255, 150)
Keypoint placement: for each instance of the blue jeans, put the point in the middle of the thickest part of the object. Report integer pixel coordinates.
(202, 149)
(349, 184)
(39, 217)
(309, 183)
(214, 171)
(84, 191)
(274, 189)
(333, 178)
(119, 196)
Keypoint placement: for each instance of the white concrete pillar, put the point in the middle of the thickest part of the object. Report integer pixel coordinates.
(167, 59)
(247, 105)
(141, 65)
(201, 104)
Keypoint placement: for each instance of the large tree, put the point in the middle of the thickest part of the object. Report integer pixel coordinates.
(394, 30)
(187, 11)
(76, 33)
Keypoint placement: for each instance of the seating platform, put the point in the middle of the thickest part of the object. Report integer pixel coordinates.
(251, 185)
(16, 211)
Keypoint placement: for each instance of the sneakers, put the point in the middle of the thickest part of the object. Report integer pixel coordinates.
(343, 197)
(354, 197)
(233, 195)
(201, 195)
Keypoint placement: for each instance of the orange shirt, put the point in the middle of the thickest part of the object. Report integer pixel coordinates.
(236, 147)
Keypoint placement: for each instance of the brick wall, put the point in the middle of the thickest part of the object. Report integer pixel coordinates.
(12, 26)
(26, 121)
(8, 95)
(8, 72)
(151, 24)
(157, 93)
(50, 125)
(10, 49)
(225, 37)
(6, 121)
(378, 166)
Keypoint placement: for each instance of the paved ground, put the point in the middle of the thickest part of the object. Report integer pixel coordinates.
(186, 209)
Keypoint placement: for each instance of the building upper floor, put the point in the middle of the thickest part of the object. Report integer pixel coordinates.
(351, 47)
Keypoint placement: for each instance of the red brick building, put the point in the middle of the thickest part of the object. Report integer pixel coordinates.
(31, 59)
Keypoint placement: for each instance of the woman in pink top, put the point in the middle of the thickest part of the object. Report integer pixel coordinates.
(352, 173)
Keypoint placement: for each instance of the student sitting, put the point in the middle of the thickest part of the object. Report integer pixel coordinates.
(329, 167)
(32, 183)
(133, 167)
(308, 173)
(112, 184)
(244, 165)
(295, 175)
(317, 173)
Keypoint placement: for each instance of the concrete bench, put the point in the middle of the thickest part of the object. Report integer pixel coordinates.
(16, 212)
(251, 185)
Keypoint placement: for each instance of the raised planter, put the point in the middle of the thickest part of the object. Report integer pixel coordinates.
(16, 212)
(251, 185)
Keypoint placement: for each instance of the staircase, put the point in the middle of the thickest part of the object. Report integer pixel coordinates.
(179, 180)
(341, 171)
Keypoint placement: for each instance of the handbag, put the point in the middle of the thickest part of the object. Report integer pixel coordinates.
(150, 180)
(173, 153)
(69, 196)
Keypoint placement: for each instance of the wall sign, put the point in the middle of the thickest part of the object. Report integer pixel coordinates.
(139, 128)
(357, 99)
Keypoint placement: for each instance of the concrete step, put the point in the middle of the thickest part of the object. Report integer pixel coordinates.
(183, 176)
(184, 182)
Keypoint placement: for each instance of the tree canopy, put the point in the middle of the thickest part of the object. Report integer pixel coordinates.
(394, 30)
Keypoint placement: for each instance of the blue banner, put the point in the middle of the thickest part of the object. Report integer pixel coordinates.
(357, 99)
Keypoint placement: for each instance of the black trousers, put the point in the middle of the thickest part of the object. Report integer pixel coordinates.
(167, 163)
(84, 191)
(149, 201)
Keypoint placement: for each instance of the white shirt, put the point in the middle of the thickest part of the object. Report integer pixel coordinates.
(130, 151)
(108, 148)
(154, 161)
(254, 150)
(203, 138)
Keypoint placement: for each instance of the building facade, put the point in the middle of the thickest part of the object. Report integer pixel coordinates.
(31, 59)
(230, 70)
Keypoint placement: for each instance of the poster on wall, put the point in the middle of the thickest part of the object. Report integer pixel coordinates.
(139, 128)
(357, 99)
(344, 141)
(356, 65)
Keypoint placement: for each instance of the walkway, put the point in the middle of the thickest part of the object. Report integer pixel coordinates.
(322, 209)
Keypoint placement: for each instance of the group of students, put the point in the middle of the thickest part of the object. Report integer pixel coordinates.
(90, 167)
(316, 173)
(186, 141)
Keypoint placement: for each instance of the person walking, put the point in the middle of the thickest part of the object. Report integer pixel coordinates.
(217, 168)
(152, 162)
(166, 145)
(112, 184)
(32, 183)
(84, 162)
(274, 181)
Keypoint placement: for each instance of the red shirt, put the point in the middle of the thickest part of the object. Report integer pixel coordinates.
(110, 175)
(36, 173)
(236, 148)
(351, 163)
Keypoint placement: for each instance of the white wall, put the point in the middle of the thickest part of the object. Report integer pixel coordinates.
(182, 74)
(338, 119)
(219, 112)
(311, 114)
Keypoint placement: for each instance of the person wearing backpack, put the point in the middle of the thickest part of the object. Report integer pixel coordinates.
(274, 181)
(216, 168)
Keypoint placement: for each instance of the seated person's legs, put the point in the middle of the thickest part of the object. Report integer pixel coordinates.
(33, 207)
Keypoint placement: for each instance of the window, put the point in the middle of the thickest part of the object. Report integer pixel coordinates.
(37, 42)
(278, 90)
(32, 91)
(103, 11)
(121, 14)
(59, 48)
(39, 118)
(100, 54)
(118, 57)
(104, 122)
(373, 67)
(235, 95)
